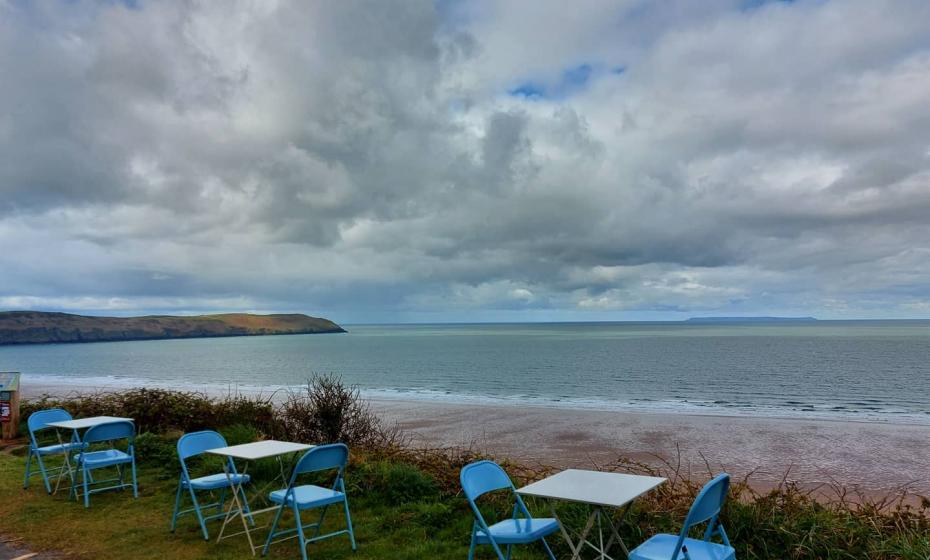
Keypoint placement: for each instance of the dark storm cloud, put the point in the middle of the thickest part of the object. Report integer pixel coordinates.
(369, 158)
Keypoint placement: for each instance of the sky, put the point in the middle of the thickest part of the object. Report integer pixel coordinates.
(446, 161)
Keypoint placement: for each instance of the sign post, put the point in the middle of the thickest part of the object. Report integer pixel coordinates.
(9, 404)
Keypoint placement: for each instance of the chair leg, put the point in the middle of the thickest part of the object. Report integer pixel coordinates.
(300, 532)
(28, 465)
(84, 480)
(203, 524)
(319, 522)
(497, 548)
(135, 483)
(274, 526)
(509, 551)
(548, 550)
(345, 502)
(177, 507)
(48, 487)
(471, 547)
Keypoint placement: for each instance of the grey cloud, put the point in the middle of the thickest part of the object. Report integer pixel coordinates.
(365, 157)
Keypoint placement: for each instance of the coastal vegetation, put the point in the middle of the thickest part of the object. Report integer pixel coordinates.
(406, 499)
(36, 327)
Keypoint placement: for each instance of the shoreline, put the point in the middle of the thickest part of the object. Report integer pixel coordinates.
(873, 457)
(55, 386)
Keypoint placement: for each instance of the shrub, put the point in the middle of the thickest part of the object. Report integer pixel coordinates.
(239, 433)
(329, 411)
(157, 450)
(395, 483)
(160, 411)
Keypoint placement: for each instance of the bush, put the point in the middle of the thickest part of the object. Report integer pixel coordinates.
(328, 411)
(239, 433)
(161, 411)
(395, 483)
(157, 450)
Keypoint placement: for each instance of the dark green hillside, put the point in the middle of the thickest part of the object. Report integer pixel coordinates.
(34, 327)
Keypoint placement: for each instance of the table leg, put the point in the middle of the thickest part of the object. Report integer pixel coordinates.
(66, 468)
(615, 532)
(236, 505)
(576, 549)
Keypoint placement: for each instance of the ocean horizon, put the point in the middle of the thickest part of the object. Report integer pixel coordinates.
(861, 370)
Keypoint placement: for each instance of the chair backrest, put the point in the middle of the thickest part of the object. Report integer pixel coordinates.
(196, 443)
(39, 419)
(322, 458)
(121, 429)
(482, 477)
(706, 507)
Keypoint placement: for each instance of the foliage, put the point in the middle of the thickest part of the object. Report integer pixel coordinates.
(395, 483)
(240, 433)
(159, 410)
(328, 411)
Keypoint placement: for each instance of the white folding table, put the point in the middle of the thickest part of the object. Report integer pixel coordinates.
(74, 426)
(599, 490)
(252, 452)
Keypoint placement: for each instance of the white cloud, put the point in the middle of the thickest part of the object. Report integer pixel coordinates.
(366, 158)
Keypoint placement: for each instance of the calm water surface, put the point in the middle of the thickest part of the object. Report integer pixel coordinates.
(859, 370)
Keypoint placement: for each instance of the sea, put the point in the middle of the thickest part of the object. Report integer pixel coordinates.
(876, 371)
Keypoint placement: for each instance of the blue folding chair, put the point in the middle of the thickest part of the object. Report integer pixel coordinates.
(706, 507)
(87, 460)
(38, 421)
(197, 443)
(334, 456)
(486, 476)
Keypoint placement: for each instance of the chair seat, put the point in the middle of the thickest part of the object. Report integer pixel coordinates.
(57, 448)
(215, 481)
(308, 496)
(661, 547)
(98, 459)
(517, 531)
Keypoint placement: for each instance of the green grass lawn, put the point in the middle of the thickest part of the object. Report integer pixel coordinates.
(387, 524)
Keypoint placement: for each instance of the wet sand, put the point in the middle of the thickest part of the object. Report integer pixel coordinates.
(875, 457)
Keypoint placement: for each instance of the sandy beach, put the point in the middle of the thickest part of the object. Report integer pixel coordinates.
(871, 456)
(875, 457)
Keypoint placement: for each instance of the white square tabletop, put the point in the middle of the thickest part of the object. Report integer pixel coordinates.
(90, 422)
(260, 449)
(592, 487)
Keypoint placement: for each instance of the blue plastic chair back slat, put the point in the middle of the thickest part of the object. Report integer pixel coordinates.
(196, 443)
(40, 419)
(321, 458)
(482, 477)
(122, 429)
(708, 502)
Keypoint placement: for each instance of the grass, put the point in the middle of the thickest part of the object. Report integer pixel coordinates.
(405, 501)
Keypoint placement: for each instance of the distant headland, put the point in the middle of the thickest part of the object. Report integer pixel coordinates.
(751, 320)
(37, 327)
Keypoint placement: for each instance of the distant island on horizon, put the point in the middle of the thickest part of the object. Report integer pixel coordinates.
(751, 320)
(41, 327)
